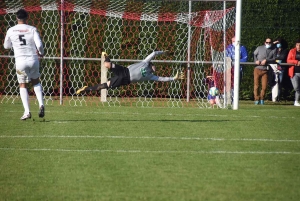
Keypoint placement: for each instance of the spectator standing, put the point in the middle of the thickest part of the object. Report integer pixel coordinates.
(230, 52)
(263, 55)
(294, 71)
(277, 76)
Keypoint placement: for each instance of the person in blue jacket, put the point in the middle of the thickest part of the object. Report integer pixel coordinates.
(230, 52)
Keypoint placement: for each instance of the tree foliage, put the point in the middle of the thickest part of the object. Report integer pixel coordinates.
(268, 18)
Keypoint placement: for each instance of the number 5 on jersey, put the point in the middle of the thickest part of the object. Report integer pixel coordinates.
(22, 39)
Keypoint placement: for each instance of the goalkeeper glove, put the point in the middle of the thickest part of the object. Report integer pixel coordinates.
(179, 76)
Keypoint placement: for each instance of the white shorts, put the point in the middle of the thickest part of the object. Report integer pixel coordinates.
(27, 68)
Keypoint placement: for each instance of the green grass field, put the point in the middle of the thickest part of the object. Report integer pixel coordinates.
(129, 153)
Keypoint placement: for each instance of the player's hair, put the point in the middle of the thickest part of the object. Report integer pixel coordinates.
(151, 67)
(279, 39)
(297, 40)
(269, 38)
(22, 14)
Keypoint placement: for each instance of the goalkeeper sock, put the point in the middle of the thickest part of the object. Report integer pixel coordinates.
(24, 98)
(97, 87)
(38, 90)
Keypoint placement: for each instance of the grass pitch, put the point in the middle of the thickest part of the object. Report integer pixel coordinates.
(129, 153)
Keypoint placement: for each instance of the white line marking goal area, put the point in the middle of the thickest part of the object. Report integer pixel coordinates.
(151, 137)
(149, 151)
(152, 151)
(163, 114)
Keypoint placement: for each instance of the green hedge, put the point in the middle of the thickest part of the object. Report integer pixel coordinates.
(268, 18)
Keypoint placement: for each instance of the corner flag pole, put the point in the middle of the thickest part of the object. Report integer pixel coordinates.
(237, 54)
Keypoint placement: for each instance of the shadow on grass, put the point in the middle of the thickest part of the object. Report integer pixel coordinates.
(156, 120)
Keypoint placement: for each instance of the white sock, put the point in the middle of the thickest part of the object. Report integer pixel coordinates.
(25, 99)
(39, 93)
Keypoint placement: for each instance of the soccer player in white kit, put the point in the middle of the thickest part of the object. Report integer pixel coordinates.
(27, 45)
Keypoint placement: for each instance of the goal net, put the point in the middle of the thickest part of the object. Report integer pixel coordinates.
(75, 32)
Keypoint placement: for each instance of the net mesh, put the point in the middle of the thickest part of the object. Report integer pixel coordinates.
(128, 30)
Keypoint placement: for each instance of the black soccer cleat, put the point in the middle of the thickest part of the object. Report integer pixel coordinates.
(42, 112)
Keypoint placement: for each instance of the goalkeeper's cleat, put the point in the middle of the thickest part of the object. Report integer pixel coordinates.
(42, 112)
(26, 116)
(104, 54)
(107, 59)
(81, 90)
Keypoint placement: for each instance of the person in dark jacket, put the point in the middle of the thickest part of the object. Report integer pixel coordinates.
(276, 76)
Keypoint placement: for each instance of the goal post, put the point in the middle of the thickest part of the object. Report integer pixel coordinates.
(76, 32)
(103, 79)
(237, 54)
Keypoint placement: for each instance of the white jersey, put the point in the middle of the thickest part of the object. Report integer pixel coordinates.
(25, 41)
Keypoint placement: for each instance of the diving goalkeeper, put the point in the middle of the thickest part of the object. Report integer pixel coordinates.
(137, 72)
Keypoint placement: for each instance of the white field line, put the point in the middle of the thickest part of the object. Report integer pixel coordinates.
(163, 114)
(149, 151)
(151, 137)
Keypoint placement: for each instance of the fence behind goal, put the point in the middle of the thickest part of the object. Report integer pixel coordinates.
(75, 32)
